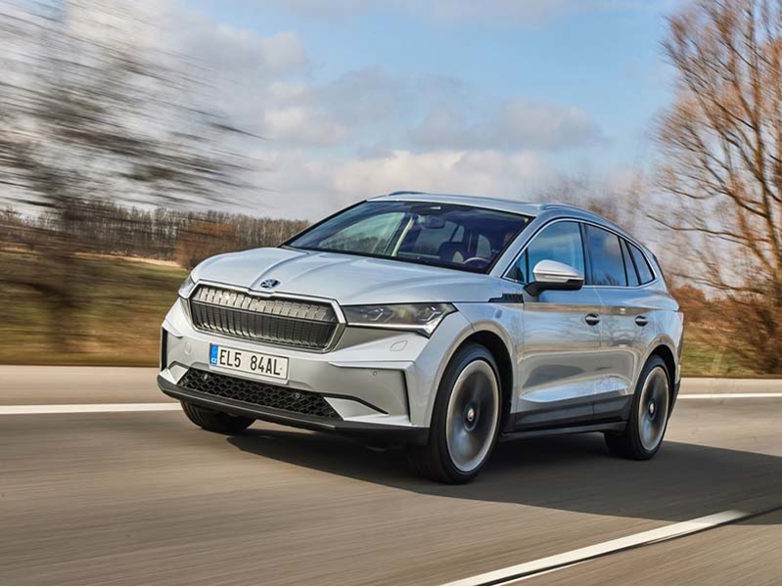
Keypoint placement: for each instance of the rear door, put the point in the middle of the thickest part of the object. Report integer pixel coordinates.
(625, 306)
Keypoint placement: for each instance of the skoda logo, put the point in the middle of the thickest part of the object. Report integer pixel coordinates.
(269, 283)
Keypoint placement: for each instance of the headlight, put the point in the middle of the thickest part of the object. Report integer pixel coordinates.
(422, 318)
(187, 287)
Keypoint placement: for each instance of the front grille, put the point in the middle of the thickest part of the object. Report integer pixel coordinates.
(279, 321)
(258, 393)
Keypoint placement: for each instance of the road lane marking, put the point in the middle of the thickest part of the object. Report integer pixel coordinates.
(517, 572)
(87, 408)
(546, 572)
(729, 395)
(171, 406)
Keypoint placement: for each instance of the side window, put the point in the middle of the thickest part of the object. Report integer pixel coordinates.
(560, 241)
(645, 273)
(632, 274)
(605, 256)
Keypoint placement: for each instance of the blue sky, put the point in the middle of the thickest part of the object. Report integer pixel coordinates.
(500, 97)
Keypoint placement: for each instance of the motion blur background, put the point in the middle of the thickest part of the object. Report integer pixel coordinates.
(137, 139)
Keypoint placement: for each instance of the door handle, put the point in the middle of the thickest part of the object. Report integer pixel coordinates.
(592, 319)
(641, 320)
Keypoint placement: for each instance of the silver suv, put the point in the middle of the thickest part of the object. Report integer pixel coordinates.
(443, 323)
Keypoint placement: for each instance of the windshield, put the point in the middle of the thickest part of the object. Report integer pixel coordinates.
(445, 235)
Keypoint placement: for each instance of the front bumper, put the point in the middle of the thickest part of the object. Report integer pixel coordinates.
(365, 430)
(378, 383)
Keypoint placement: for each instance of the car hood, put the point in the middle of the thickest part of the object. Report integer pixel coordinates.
(348, 279)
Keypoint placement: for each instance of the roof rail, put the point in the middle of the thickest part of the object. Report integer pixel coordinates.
(555, 205)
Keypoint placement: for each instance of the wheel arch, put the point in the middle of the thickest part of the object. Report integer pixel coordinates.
(664, 351)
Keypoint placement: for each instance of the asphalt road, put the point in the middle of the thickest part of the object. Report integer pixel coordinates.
(131, 497)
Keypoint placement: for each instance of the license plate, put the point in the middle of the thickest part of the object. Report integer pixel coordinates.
(248, 361)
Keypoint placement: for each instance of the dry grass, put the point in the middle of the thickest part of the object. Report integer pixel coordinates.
(117, 322)
(708, 353)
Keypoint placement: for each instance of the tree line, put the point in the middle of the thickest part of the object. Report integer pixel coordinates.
(105, 227)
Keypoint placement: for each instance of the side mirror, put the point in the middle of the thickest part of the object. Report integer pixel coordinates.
(554, 275)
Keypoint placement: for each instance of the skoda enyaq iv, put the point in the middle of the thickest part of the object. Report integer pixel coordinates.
(443, 323)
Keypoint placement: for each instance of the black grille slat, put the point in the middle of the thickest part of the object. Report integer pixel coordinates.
(258, 393)
(281, 321)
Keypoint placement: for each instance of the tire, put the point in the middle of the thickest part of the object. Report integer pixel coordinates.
(215, 421)
(465, 419)
(649, 414)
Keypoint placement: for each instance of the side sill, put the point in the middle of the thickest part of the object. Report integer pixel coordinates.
(598, 427)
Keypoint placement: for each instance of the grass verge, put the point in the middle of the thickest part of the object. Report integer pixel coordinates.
(117, 320)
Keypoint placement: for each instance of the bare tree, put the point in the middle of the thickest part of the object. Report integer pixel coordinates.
(622, 201)
(88, 111)
(721, 142)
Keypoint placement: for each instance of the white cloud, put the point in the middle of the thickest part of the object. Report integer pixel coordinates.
(333, 141)
(264, 84)
(486, 172)
(525, 12)
(232, 52)
(299, 124)
(168, 25)
(299, 186)
(517, 124)
(283, 52)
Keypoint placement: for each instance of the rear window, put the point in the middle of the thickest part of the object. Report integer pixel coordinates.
(632, 274)
(645, 273)
(605, 255)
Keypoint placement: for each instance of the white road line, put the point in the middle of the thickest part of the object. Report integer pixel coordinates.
(514, 573)
(171, 406)
(541, 573)
(729, 395)
(88, 408)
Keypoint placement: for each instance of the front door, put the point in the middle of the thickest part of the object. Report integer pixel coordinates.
(558, 377)
(557, 374)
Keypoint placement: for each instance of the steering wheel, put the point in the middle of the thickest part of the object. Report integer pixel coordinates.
(477, 262)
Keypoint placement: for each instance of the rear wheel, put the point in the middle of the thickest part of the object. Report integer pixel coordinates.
(649, 413)
(215, 421)
(465, 419)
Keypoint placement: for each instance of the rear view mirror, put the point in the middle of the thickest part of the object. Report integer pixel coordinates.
(553, 275)
(433, 222)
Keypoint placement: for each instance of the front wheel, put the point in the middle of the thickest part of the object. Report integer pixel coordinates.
(649, 413)
(215, 421)
(465, 419)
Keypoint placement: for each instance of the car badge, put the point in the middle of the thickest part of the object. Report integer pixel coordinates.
(269, 283)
